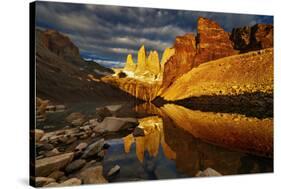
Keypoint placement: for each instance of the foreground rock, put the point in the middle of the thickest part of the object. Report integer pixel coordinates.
(209, 172)
(114, 124)
(92, 175)
(45, 166)
(75, 165)
(113, 170)
(42, 181)
(69, 182)
(93, 149)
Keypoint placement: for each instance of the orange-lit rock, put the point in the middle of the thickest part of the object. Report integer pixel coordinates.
(141, 64)
(234, 75)
(211, 43)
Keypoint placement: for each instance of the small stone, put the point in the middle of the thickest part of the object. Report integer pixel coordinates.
(113, 170)
(75, 165)
(93, 135)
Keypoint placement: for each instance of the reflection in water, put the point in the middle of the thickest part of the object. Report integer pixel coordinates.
(185, 132)
(233, 131)
(179, 142)
(153, 130)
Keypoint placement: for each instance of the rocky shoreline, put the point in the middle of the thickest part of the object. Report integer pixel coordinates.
(73, 155)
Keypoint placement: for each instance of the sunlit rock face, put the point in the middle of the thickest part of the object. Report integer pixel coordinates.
(210, 43)
(141, 64)
(233, 131)
(259, 36)
(153, 130)
(153, 64)
(249, 72)
(168, 52)
(130, 65)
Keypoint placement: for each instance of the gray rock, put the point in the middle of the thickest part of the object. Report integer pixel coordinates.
(75, 165)
(114, 108)
(93, 149)
(114, 124)
(76, 118)
(113, 170)
(207, 173)
(45, 166)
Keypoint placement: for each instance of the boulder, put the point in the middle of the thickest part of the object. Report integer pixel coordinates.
(113, 170)
(42, 181)
(38, 134)
(45, 166)
(93, 149)
(114, 124)
(92, 175)
(207, 173)
(75, 165)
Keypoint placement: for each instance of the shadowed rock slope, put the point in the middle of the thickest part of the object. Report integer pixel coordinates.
(60, 73)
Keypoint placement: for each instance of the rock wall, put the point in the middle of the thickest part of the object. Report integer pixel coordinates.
(153, 64)
(259, 36)
(210, 43)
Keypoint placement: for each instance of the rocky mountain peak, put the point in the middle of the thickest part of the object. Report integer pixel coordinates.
(130, 65)
(60, 44)
(168, 52)
(153, 64)
(141, 64)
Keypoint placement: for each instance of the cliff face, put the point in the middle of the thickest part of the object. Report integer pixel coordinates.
(168, 52)
(259, 36)
(211, 43)
(234, 75)
(140, 89)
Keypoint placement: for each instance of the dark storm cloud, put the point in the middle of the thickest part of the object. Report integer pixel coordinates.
(111, 32)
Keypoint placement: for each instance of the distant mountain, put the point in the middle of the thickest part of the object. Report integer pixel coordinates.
(63, 76)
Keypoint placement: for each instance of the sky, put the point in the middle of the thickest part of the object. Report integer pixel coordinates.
(107, 34)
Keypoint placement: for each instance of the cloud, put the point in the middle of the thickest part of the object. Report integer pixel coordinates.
(113, 31)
